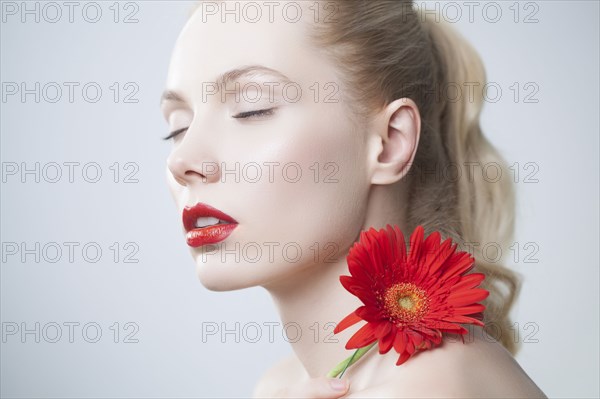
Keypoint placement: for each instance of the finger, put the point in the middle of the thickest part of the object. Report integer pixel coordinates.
(319, 388)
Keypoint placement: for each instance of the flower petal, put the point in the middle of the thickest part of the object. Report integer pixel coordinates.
(469, 281)
(387, 341)
(465, 310)
(460, 262)
(346, 322)
(469, 297)
(403, 358)
(358, 269)
(415, 338)
(357, 288)
(410, 345)
(369, 313)
(400, 243)
(464, 319)
(446, 251)
(416, 241)
(364, 336)
(445, 325)
(400, 341)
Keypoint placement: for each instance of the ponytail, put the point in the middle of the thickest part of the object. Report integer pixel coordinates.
(485, 201)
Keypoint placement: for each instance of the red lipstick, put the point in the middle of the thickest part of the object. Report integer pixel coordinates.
(196, 235)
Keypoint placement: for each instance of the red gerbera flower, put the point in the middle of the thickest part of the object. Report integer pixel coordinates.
(410, 299)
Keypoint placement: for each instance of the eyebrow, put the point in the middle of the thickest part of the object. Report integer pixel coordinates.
(228, 77)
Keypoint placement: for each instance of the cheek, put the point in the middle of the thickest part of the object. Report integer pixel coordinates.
(317, 199)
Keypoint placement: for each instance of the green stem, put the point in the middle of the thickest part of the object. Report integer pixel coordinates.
(342, 366)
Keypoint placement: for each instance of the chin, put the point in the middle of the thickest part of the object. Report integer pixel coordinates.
(216, 277)
(226, 276)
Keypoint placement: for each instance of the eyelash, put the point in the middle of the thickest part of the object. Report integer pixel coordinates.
(260, 112)
(241, 115)
(175, 133)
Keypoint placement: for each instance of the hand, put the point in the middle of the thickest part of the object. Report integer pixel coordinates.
(320, 387)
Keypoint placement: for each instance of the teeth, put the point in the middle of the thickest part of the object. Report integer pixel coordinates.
(207, 221)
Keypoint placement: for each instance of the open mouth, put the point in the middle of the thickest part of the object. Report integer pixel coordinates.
(207, 221)
(206, 225)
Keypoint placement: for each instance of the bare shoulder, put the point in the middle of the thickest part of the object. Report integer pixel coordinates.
(479, 368)
(277, 377)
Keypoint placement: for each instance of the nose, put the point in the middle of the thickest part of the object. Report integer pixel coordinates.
(189, 166)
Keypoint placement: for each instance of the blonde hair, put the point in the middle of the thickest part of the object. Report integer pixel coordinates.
(388, 49)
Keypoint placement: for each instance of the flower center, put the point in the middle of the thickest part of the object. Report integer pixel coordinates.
(406, 303)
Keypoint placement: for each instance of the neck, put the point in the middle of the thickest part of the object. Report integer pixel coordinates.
(314, 301)
(310, 307)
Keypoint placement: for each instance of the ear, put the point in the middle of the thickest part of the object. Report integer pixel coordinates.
(395, 136)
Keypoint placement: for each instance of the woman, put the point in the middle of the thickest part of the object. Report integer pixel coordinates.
(295, 126)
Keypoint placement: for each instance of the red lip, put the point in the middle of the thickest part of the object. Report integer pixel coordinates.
(197, 237)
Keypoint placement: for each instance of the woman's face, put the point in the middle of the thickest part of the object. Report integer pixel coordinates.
(295, 179)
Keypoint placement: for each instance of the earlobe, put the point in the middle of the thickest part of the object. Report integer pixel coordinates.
(397, 135)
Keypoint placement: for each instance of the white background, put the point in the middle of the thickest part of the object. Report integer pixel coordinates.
(161, 294)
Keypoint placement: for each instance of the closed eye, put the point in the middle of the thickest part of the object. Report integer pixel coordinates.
(241, 115)
(175, 133)
(259, 113)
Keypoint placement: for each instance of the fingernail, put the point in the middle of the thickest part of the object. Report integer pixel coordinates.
(338, 385)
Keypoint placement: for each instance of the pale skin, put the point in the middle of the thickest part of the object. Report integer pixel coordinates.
(371, 161)
(479, 368)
